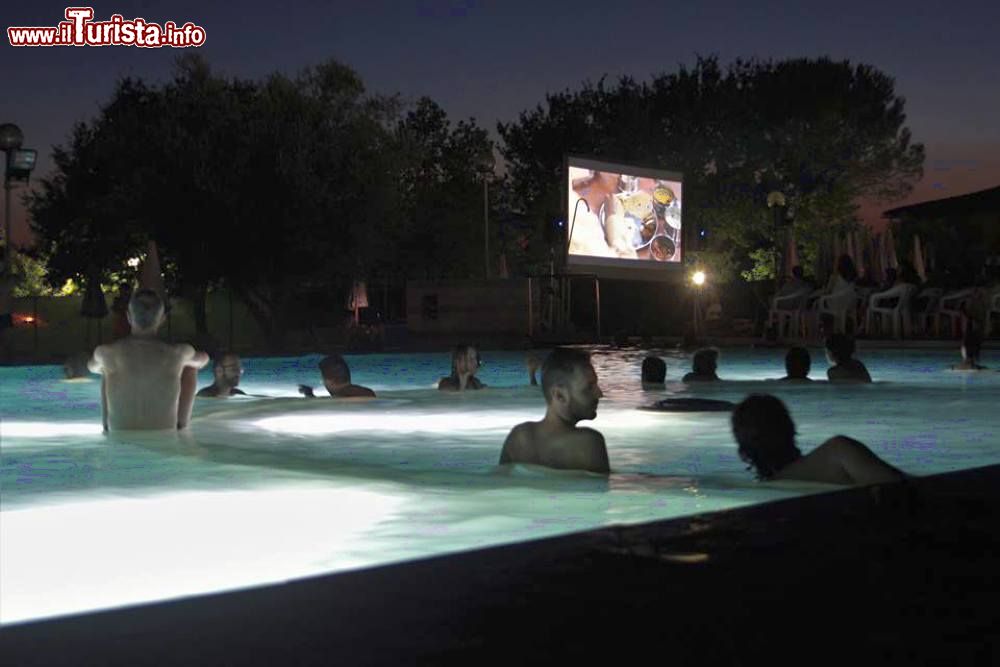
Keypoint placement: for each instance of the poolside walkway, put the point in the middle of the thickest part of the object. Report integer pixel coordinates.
(858, 576)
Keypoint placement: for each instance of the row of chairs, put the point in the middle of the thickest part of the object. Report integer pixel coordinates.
(892, 309)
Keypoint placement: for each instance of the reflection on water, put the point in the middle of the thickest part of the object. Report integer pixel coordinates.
(268, 489)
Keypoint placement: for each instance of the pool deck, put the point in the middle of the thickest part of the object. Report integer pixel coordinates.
(892, 575)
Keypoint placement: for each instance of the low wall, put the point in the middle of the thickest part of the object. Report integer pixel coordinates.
(468, 306)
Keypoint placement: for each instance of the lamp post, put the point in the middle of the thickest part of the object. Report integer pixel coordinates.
(17, 166)
(10, 139)
(698, 278)
(486, 165)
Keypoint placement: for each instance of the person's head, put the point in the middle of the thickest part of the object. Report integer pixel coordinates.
(846, 268)
(145, 311)
(972, 345)
(569, 384)
(464, 360)
(797, 362)
(765, 434)
(335, 372)
(797, 272)
(75, 366)
(227, 369)
(839, 348)
(654, 370)
(705, 361)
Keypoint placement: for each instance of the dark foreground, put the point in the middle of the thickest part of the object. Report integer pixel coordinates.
(859, 576)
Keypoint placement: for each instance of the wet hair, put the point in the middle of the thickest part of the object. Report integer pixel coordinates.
(559, 368)
(846, 268)
(145, 308)
(333, 367)
(797, 362)
(973, 343)
(654, 370)
(841, 347)
(765, 434)
(705, 361)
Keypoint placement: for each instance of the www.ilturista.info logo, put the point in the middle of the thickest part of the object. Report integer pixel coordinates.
(80, 30)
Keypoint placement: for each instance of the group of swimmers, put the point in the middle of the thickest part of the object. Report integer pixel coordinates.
(149, 384)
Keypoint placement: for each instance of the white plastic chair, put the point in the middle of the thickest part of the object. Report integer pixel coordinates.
(898, 314)
(843, 305)
(791, 312)
(953, 307)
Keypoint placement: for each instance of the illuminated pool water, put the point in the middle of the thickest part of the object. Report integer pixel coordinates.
(270, 489)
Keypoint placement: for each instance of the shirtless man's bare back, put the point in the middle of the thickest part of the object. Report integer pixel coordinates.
(147, 384)
(571, 394)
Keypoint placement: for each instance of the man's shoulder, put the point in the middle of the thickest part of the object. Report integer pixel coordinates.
(589, 434)
(524, 429)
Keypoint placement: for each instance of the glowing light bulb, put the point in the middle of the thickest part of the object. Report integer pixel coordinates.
(698, 278)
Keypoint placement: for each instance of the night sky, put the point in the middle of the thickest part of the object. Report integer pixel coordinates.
(491, 59)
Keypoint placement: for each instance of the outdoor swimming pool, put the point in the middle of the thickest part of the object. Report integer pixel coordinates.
(271, 489)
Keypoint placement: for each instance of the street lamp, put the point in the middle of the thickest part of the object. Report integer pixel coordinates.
(486, 165)
(18, 165)
(698, 280)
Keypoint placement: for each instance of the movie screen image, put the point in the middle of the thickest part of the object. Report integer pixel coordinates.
(622, 216)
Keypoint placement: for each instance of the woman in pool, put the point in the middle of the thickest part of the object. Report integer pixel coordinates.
(465, 363)
(765, 433)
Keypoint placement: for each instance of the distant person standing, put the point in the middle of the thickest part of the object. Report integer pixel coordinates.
(147, 384)
(972, 344)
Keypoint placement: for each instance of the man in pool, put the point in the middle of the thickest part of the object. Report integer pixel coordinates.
(569, 384)
(844, 367)
(147, 384)
(337, 380)
(227, 370)
(703, 366)
(797, 365)
(654, 373)
(765, 433)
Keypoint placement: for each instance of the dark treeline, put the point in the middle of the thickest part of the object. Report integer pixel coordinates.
(277, 186)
